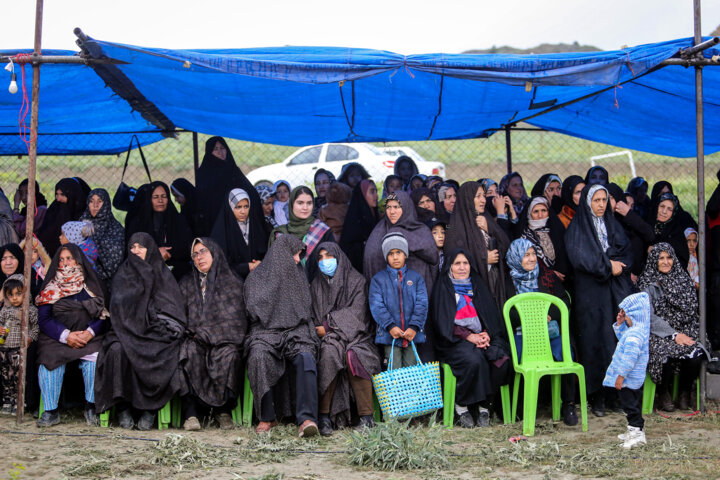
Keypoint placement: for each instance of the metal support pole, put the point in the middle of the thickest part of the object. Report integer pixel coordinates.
(196, 154)
(508, 148)
(30, 224)
(699, 127)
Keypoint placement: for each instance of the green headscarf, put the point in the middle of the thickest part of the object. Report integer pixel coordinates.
(295, 226)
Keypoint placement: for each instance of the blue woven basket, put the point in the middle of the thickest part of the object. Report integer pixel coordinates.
(410, 391)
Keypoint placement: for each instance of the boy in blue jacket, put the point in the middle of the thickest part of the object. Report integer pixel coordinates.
(398, 303)
(627, 370)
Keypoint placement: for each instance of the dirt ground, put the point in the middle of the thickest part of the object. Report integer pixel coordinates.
(678, 447)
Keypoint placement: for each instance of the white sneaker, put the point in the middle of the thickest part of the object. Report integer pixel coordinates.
(634, 436)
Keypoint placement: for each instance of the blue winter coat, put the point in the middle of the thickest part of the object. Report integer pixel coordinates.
(632, 351)
(385, 303)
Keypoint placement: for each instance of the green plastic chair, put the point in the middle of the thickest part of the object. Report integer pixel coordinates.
(648, 401)
(449, 386)
(537, 358)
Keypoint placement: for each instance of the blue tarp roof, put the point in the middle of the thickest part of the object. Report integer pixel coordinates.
(308, 95)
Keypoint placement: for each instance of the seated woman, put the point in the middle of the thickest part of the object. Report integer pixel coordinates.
(348, 356)
(282, 333)
(304, 226)
(109, 234)
(71, 315)
(12, 261)
(138, 363)
(241, 236)
(523, 263)
(212, 358)
(674, 325)
(473, 229)
(154, 213)
(469, 336)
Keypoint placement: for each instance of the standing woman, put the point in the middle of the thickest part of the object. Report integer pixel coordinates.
(68, 206)
(571, 190)
(543, 229)
(185, 195)
(601, 256)
(217, 175)
(550, 187)
(405, 168)
(353, 173)
(400, 216)
(425, 205)
(362, 216)
(242, 238)
(109, 234)
(348, 355)
(138, 364)
(156, 214)
(322, 180)
(212, 358)
(281, 334)
(469, 336)
(304, 226)
(20, 216)
(474, 230)
(7, 226)
(512, 186)
(71, 315)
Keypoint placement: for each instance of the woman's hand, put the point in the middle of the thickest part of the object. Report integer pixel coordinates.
(474, 338)
(498, 202)
(561, 276)
(481, 222)
(320, 331)
(253, 265)
(682, 339)
(510, 207)
(165, 253)
(617, 267)
(493, 257)
(76, 340)
(622, 208)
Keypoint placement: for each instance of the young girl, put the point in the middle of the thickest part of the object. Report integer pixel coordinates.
(281, 207)
(10, 339)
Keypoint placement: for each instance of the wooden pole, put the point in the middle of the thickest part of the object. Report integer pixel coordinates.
(30, 224)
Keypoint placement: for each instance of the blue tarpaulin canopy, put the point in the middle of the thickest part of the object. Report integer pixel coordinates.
(308, 95)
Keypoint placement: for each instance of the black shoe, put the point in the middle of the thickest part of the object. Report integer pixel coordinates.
(569, 415)
(147, 420)
(48, 419)
(366, 421)
(325, 425)
(91, 417)
(598, 406)
(684, 401)
(483, 418)
(666, 403)
(125, 419)
(465, 420)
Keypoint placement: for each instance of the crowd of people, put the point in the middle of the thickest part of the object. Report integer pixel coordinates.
(313, 292)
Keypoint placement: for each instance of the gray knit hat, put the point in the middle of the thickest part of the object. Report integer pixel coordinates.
(394, 240)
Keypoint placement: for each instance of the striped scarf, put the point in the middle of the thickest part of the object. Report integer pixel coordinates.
(466, 316)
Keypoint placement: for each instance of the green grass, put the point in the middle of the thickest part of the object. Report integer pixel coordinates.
(534, 153)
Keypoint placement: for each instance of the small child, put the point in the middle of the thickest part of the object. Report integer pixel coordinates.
(80, 233)
(10, 316)
(437, 227)
(398, 303)
(627, 370)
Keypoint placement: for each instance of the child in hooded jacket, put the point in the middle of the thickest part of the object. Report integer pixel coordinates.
(627, 370)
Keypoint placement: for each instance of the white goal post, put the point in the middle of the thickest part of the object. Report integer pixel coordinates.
(616, 154)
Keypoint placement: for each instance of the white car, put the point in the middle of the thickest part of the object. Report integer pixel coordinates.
(299, 168)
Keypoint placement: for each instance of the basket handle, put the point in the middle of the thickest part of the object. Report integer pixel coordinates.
(392, 353)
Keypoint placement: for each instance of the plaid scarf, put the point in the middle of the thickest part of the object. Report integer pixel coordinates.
(314, 235)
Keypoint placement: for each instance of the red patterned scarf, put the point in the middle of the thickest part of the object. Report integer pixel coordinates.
(68, 281)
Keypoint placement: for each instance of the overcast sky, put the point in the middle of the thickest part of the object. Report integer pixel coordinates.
(405, 27)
